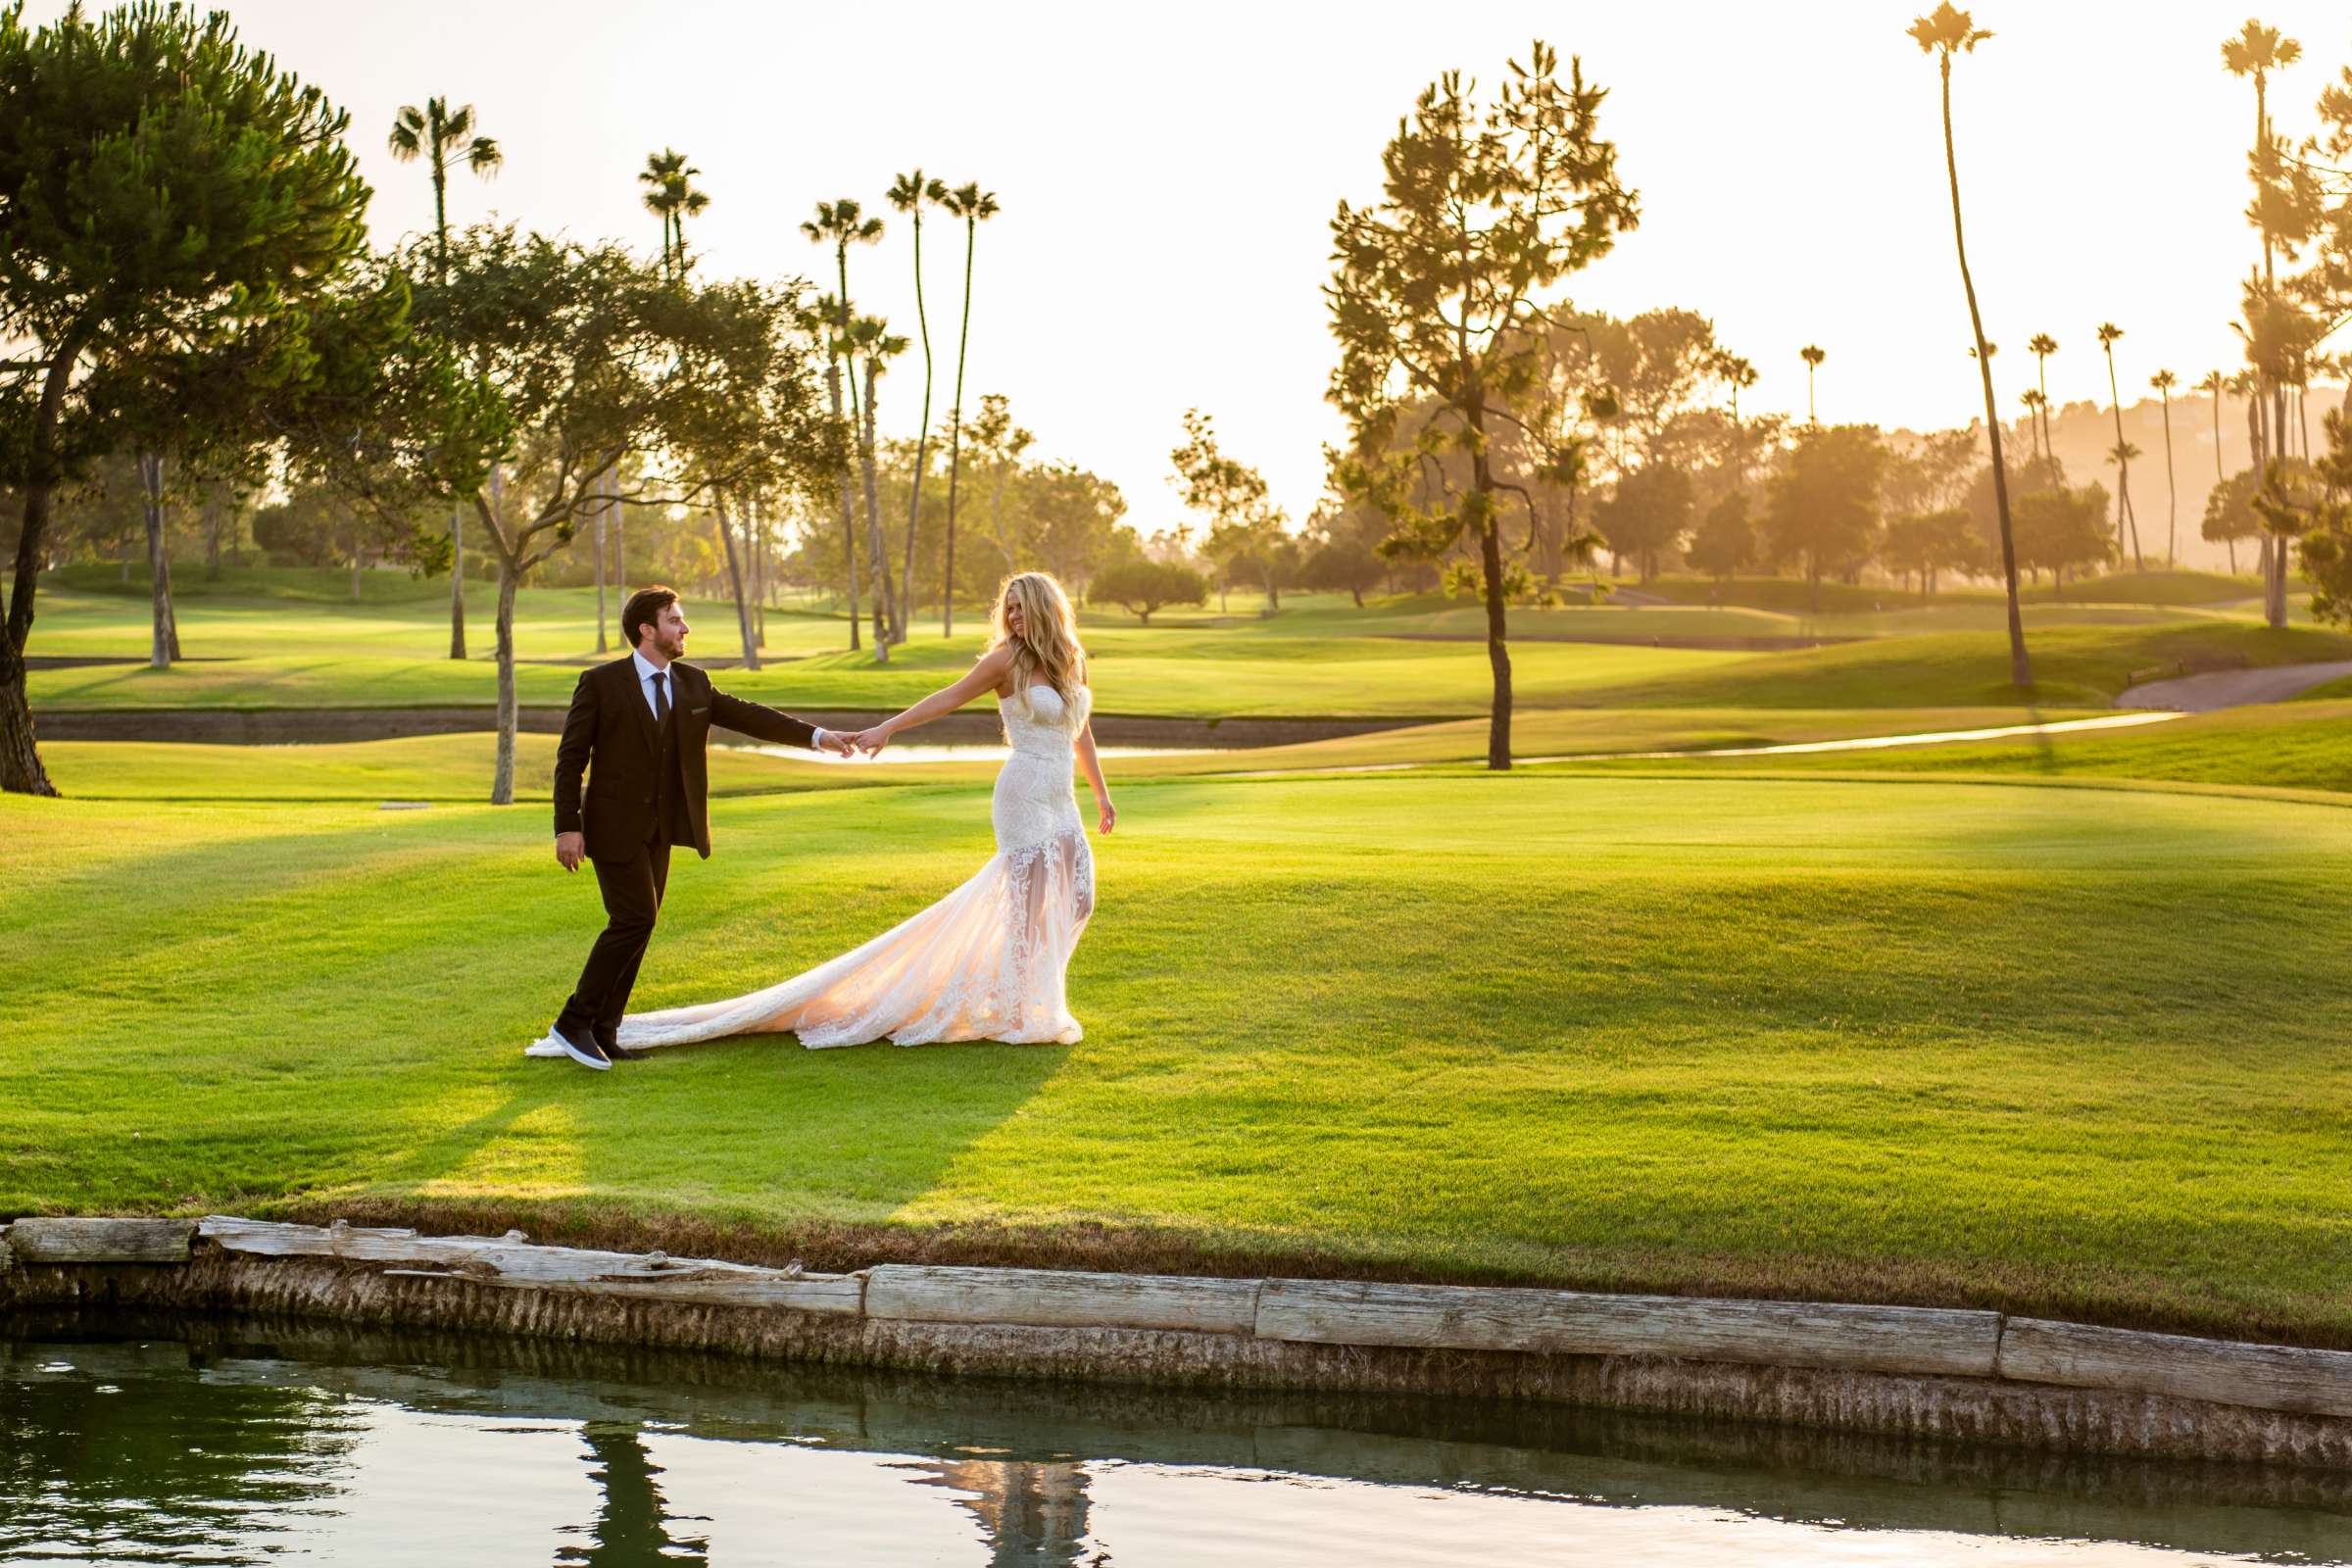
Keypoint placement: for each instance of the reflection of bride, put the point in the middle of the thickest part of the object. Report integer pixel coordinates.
(1031, 1513)
(989, 960)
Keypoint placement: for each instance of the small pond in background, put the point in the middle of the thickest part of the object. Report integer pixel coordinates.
(243, 1440)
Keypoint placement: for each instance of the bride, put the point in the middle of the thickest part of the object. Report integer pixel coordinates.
(989, 960)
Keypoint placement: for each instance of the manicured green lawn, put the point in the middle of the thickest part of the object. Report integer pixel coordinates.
(2065, 1051)
(458, 768)
(1202, 674)
(550, 624)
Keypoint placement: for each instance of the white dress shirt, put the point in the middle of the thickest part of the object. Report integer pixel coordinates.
(647, 671)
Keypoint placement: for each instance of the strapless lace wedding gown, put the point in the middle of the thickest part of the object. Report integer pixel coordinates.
(988, 961)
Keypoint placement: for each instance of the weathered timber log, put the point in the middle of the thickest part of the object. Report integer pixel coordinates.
(36, 1240)
(359, 1244)
(2263, 1377)
(514, 1263)
(1057, 1298)
(1871, 1339)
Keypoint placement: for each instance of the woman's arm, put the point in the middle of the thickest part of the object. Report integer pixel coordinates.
(1090, 762)
(985, 675)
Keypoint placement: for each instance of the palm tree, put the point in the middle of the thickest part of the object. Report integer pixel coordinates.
(2042, 346)
(974, 206)
(684, 202)
(1812, 357)
(2164, 381)
(659, 177)
(2256, 52)
(909, 194)
(2033, 399)
(1944, 33)
(871, 336)
(820, 320)
(436, 133)
(843, 222)
(2122, 452)
(2219, 386)
(2214, 385)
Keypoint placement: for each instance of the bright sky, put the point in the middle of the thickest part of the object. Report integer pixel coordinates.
(1169, 173)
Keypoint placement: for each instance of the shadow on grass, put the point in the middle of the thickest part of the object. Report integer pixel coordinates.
(343, 1011)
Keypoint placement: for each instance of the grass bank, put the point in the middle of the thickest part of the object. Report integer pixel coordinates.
(2296, 746)
(2073, 667)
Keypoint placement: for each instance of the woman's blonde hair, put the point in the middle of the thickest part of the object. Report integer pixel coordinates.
(1047, 642)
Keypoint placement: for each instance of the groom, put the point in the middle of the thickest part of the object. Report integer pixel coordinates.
(638, 727)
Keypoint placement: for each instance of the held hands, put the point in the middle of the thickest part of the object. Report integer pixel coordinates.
(871, 741)
(571, 850)
(836, 743)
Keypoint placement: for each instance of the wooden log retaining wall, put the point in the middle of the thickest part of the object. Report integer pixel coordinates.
(1919, 1371)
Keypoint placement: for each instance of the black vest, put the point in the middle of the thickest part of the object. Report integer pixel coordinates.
(671, 823)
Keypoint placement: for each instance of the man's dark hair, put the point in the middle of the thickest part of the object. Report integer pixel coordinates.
(644, 607)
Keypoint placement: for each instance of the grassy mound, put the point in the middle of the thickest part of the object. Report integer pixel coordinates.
(2026, 1047)
(2279, 745)
(2073, 667)
(2151, 588)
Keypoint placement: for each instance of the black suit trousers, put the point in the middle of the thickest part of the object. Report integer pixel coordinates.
(632, 886)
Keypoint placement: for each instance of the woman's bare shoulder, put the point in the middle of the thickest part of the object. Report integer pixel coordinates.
(994, 665)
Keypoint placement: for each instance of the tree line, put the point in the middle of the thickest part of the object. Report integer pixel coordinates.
(196, 318)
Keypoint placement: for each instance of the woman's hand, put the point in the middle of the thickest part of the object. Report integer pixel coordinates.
(871, 741)
(1110, 814)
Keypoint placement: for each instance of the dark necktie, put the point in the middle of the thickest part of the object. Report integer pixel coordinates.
(660, 698)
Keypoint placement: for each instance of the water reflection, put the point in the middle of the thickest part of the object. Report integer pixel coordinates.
(632, 1521)
(1031, 1514)
(249, 1440)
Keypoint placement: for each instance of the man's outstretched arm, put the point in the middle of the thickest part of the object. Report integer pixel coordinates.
(771, 724)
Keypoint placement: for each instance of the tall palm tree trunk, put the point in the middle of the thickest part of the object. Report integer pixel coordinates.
(922, 442)
(963, 342)
(877, 552)
(2021, 670)
(2171, 491)
(862, 427)
(2041, 410)
(849, 523)
(2123, 470)
(457, 509)
(2274, 546)
(2221, 474)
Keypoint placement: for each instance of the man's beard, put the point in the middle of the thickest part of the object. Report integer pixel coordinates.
(671, 647)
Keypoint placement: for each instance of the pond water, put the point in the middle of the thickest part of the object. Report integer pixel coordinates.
(250, 1441)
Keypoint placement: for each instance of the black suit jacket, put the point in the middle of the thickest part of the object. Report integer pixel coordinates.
(610, 736)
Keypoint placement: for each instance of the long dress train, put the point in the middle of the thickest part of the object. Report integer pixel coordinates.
(989, 961)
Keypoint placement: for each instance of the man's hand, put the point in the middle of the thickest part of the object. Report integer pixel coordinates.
(838, 744)
(571, 850)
